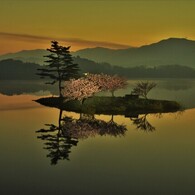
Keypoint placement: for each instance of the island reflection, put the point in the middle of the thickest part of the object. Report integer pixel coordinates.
(59, 139)
(142, 123)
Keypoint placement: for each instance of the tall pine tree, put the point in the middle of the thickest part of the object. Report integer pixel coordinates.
(60, 66)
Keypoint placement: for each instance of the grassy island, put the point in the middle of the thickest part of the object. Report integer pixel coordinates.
(126, 105)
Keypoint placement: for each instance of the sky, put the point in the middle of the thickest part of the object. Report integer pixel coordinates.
(32, 24)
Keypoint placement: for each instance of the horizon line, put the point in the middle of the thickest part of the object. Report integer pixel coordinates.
(87, 43)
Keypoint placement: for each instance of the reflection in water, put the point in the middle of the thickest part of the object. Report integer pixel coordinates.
(18, 87)
(60, 139)
(142, 123)
(131, 163)
(176, 84)
(89, 127)
(58, 145)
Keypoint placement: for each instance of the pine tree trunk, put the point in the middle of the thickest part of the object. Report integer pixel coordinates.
(59, 122)
(112, 118)
(60, 88)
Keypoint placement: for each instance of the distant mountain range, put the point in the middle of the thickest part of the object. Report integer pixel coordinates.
(32, 56)
(169, 51)
(166, 52)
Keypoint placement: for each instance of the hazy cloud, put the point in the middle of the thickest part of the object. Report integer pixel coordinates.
(77, 41)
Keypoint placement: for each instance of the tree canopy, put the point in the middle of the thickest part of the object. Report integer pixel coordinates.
(108, 82)
(60, 66)
(84, 87)
(143, 88)
(80, 89)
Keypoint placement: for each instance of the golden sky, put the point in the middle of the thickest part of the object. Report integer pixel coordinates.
(31, 24)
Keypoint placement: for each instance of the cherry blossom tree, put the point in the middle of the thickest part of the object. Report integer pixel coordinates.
(84, 87)
(80, 89)
(108, 82)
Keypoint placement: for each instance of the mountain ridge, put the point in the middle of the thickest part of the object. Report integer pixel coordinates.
(165, 52)
(169, 51)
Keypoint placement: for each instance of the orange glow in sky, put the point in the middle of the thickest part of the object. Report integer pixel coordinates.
(29, 24)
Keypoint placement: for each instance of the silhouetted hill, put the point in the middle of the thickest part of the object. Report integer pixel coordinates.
(165, 71)
(169, 51)
(17, 70)
(33, 56)
(92, 67)
(168, 71)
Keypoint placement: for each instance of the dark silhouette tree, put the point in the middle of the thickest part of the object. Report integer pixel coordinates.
(142, 123)
(60, 65)
(56, 142)
(142, 88)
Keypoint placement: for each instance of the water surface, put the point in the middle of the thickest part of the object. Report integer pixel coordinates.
(157, 161)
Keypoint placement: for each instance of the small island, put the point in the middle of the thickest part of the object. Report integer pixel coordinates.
(127, 105)
(77, 92)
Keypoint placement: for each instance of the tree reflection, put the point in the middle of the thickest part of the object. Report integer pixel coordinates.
(142, 123)
(60, 139)
(83, 128)
(58, 145)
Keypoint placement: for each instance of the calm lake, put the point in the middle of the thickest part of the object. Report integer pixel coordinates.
(154, 155)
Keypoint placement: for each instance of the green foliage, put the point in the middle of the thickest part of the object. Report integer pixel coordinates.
(60, 65)
(142, 88)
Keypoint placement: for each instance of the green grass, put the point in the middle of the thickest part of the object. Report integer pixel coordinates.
(112, 105)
